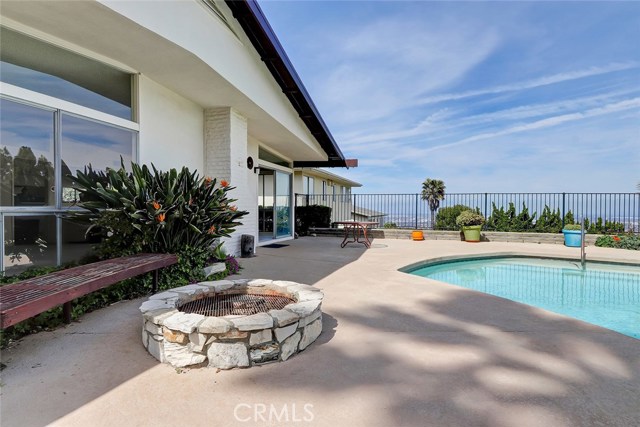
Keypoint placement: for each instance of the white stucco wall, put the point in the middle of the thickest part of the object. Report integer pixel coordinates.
(170, 128)
(189, 25)
(226, 148)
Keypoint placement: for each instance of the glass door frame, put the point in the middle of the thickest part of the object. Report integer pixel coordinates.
(277, 168)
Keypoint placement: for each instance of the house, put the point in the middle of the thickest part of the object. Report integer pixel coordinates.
(197, 83)
(314, 186)
(368, 215)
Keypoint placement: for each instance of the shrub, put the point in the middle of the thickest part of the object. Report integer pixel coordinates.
(446, 217)
(147, 210)
(233, 266)
(572, 227)
(390, 225)
(549, 222)
(469, 218)
(501, 220)
(168, 210)
(606, 242)
(630, 242)
(568, 218)
(312, 216)
(609, 227)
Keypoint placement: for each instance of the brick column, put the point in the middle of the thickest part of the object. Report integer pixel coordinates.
(225, 157)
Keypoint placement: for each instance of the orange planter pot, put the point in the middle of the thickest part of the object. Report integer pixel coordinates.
(417, 235)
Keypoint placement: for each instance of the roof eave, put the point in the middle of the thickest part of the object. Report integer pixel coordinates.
(259, 31)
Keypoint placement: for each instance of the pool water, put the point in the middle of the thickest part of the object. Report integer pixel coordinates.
(606, 295)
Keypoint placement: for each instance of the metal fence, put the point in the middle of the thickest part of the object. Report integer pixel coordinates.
(410, 211)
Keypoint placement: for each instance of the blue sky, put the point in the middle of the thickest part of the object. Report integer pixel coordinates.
(487, 96)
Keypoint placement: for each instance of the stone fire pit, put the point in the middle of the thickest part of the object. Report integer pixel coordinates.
(231, 323)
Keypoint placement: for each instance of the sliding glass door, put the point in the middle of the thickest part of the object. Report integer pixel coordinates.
(274, 204)
(283, 204)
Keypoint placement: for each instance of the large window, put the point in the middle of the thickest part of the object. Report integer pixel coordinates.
(44, 68)
(27, 155)
(308, 185)
(85, 142)
(42, 144)
(35, 140)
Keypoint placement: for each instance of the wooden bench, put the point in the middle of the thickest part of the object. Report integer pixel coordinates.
(27, 298)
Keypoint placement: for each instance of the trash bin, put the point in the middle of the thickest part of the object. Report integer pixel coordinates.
(246, 246)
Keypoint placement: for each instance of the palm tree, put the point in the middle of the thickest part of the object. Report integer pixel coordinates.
(433, 192)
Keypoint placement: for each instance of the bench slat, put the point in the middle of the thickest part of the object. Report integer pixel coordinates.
(27, 298)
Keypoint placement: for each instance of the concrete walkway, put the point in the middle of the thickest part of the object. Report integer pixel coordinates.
(396, 350)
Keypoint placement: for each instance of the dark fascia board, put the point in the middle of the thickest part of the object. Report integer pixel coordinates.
(349, 163)
(264, 40)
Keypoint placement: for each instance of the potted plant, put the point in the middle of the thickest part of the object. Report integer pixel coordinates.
(471, 223)
(572, 235)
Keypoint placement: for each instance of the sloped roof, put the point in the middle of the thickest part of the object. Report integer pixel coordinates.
(328, 175)
(264, 40)
(367, 212)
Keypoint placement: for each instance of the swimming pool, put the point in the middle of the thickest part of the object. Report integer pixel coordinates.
(604, 294)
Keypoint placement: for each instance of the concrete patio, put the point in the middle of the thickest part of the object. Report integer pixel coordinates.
(396, 350)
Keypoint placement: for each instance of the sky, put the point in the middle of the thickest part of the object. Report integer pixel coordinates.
(486, 96)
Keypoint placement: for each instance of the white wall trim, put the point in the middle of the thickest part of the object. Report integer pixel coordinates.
(269, 165)
(20, 94)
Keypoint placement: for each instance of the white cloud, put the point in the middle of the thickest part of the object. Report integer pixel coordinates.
(448, 120)
(544, 123)
(383, 66)
(530, 84)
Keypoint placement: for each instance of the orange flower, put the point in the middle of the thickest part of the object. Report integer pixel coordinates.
(233, 208)
(616, 238)
(156, 205)
(212, 229)
(224, 183)
(161, 217)
(207, 181)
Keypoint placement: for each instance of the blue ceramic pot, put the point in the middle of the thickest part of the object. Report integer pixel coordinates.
(572, 238)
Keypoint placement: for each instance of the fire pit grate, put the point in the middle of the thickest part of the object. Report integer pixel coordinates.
(235, 304)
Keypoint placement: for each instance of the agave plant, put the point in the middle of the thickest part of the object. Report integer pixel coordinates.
(168, 211)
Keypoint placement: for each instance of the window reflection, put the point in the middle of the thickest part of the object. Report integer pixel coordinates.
(41, 67)
(76, 245)
(29, 241)
(85, 142)
(26, 155)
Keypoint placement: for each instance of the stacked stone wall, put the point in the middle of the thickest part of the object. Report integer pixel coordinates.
(233, 341)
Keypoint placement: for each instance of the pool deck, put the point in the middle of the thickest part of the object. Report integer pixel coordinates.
(396, 350)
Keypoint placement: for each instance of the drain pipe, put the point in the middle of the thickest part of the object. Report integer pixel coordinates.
(583, 255)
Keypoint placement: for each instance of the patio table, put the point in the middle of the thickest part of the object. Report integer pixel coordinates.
(356, 229)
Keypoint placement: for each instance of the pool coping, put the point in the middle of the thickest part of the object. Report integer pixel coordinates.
(511, 254)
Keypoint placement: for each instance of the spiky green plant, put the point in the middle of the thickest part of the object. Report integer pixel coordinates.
(166, 211)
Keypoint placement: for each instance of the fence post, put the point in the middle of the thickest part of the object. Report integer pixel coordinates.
(563, 211)
(417, 201)
(486, 205)
(354, 207)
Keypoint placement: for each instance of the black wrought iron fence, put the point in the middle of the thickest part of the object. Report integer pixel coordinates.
(603, 212)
